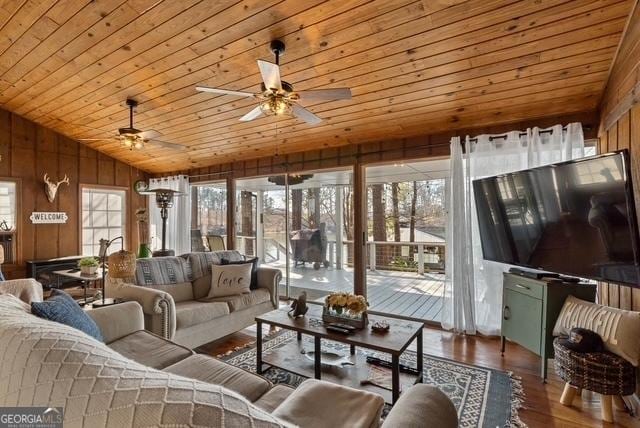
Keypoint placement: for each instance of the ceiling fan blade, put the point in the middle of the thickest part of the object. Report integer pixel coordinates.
(270, 74)
(149, 134)
(253, 114)
(223, 91)
(325, 94)
(304, 114)
(166, 145)
(95, 139)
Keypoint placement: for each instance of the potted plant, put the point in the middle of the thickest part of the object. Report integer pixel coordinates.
(88, 265)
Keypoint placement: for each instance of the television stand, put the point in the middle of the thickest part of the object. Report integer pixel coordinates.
(530, 308)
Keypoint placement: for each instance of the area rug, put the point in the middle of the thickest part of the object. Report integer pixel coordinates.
(483, 397)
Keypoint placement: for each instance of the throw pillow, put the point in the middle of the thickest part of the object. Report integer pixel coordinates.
(254, 269)
(619, 329)
(61, 308)
(230, 280)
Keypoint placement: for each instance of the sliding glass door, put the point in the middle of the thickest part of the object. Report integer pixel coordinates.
(261, 221)
(301, 224)
(209, 216)
(406, 238)
(321, 233)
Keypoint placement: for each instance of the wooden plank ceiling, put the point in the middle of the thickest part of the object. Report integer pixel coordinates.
(415, 67)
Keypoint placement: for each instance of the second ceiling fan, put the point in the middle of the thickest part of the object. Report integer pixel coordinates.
(135, 139)
(277, 96)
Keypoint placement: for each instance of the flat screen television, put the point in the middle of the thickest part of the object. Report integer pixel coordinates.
(575, 218)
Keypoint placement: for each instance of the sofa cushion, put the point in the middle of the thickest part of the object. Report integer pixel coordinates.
(162, 271)
(200, 263)
(193, 312)
(230, 279)
(11, 300)
(274, 397)
(150, 350)
(321, 404)
(239, 302)
(201, 286)
(61, 308)
(211, 370)
(181, 292)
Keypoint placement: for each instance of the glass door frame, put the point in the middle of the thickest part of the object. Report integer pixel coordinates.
(361, 283)
(231, 226)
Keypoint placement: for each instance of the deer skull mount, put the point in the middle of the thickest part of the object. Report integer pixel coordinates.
(51, 189)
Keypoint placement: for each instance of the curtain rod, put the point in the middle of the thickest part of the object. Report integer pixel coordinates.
(522, 134)
(210, 173)
(357, 155)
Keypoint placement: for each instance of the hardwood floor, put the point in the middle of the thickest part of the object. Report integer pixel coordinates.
(542, 406)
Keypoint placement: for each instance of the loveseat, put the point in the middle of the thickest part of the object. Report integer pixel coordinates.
(137, 378)
(173, 294)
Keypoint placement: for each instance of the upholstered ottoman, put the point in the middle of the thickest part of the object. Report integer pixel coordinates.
(602, 372)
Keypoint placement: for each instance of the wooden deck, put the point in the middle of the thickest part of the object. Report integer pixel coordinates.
(406, 294)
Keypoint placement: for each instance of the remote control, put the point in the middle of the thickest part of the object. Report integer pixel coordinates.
(338, 329)
(343, 326)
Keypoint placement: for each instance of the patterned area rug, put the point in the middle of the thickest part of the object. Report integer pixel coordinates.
(483, 397)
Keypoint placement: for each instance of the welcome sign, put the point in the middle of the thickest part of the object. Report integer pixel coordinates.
(48, 217)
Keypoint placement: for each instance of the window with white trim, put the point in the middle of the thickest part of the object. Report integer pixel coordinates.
(103, 217)
(8, 220)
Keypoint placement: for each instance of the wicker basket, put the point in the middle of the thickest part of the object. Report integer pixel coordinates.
(332, 317)
(601, 372)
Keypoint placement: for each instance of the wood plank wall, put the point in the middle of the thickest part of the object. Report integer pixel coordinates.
(620, 129)
(28, 151)
(623, 134)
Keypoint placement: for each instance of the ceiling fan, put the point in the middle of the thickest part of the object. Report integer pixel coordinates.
(135, 139)
(277, 97)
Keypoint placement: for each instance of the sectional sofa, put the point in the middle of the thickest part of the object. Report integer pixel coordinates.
(137, 378)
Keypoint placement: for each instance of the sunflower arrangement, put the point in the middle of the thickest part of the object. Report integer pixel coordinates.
(346, 302)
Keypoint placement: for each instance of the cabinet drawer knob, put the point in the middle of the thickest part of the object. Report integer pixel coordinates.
(525, 287)
(506, 313)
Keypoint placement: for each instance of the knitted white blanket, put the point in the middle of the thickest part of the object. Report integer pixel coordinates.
(43, 363)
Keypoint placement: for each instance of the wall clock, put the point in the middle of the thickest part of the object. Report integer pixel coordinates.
(140, 186)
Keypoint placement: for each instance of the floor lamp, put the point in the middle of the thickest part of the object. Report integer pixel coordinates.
(164, 201)
(122, 264)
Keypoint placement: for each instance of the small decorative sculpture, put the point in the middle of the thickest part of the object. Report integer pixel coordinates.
(51, 189)
(299, 306)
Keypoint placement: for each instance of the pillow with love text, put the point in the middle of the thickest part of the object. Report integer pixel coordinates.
(228, 280)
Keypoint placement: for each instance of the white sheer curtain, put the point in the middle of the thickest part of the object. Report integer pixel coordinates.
(179, 220)
(473, 292)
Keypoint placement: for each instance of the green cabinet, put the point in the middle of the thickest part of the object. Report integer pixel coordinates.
(530, 308)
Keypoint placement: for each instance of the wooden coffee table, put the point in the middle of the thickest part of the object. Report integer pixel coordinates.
(394, 342)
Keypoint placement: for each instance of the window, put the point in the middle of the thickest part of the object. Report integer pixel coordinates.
(8, 219)
(7, 205)
(209, 214)
(103, 217)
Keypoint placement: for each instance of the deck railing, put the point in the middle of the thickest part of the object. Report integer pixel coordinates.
(404, 256)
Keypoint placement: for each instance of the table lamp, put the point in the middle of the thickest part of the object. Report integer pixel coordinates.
(122, 264)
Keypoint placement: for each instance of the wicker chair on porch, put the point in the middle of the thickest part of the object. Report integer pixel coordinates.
(604, 373)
